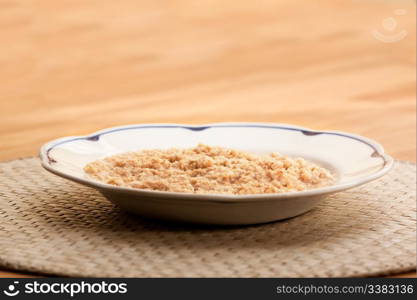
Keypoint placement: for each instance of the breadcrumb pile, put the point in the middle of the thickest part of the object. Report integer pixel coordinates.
(209, 170)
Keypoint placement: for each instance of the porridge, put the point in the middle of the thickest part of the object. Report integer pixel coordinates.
(209, 170)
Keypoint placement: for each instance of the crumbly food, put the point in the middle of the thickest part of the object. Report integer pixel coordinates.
(209, 170)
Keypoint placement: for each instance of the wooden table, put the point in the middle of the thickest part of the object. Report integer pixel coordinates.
(73, 67)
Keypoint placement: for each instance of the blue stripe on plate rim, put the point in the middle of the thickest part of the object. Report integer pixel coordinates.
(47, 161)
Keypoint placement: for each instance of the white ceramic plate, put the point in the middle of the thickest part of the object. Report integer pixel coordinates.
(354, 160)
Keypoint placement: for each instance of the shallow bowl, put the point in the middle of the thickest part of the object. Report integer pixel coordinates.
(354, 160)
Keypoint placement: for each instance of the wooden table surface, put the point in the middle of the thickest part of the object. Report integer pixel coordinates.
(73, 67)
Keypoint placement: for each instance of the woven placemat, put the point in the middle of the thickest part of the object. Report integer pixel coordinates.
(53, 226)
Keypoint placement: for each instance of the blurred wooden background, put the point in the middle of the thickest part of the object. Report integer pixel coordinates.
(73, 67)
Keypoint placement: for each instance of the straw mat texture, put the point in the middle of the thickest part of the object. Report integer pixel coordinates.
(53, 226)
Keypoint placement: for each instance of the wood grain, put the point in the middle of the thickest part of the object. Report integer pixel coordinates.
(73, 67)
